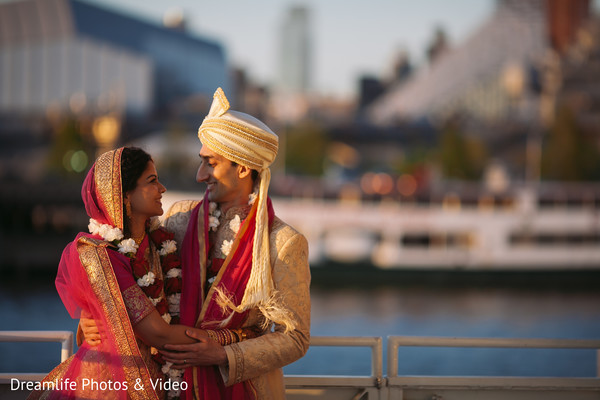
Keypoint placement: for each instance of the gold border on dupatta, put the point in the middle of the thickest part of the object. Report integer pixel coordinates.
(107, 176)
(94, 257)
(54, 376)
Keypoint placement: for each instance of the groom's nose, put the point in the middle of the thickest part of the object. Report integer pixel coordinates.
(202, 174)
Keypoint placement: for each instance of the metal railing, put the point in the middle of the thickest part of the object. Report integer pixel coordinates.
(393, 386)
(515, 388)
(394, 342)
(65, 338)
(340, 387)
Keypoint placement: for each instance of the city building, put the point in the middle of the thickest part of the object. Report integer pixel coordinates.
(497, 73)
(295, 52)
(291, 91)
(74, 56)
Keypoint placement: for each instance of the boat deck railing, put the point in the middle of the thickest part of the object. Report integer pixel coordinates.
(65, 338)
(505, 387)
(390, 386)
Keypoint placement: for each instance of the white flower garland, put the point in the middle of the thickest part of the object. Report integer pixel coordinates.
(174, 301)
(226, 247)
(175, 375)
(213, 222)
(146, 280)
(110, 234)
(129, 247)
(252, 198)
(235, 224)
(168, 247)
(213, 216)
(155, 301)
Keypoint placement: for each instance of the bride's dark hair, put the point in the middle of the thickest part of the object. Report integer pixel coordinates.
(133, 163)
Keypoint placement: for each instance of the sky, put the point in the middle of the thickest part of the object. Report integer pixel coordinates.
(350, 37)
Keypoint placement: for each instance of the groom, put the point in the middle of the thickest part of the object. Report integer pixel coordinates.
(244, 270)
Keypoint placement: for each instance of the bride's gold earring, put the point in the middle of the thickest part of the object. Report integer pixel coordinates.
(128, 208)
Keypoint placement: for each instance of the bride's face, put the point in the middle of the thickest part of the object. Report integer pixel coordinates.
(145, 199)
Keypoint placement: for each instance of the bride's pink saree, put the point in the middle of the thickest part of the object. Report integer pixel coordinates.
(90, 281)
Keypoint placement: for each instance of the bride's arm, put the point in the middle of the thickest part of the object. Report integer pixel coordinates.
(152, 330)
(155, 332)
(91, 333)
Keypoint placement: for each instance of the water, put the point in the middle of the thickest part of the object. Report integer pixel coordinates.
(463, 312)
(374, 310)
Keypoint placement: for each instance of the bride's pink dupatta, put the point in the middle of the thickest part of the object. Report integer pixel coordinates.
(88, 286)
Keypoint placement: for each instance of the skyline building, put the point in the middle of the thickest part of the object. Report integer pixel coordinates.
(496, 73)
(295, 52)
(75, 56)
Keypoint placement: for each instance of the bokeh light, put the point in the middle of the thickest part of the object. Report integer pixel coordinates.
(407, 185)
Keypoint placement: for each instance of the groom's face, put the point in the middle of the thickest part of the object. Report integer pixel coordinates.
(221, 176)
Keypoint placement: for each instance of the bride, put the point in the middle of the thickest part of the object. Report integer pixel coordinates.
(125, 275)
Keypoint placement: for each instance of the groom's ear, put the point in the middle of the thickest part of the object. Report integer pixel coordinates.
(243, 171)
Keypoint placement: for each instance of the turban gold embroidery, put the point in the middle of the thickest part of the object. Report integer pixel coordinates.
(237, 136)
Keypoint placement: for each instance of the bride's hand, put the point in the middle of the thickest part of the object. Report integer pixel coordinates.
(90, 331)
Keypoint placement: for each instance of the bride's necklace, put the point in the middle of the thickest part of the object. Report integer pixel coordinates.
(139, 239)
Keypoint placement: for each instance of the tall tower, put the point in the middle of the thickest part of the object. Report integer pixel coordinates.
(295, 52)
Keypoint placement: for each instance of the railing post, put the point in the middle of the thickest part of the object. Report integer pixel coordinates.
(377, 361)
(392, 356)
(66, 349)
(598, 363)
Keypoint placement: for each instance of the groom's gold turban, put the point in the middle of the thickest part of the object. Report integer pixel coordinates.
(237, 136)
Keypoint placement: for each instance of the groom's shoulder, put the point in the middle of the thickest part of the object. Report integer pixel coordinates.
(176, 219)
(181, 207)
(281, 232)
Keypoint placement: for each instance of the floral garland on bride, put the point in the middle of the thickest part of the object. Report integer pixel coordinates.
(165, 296)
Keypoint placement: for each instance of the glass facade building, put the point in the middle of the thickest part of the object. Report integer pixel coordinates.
(69, 54)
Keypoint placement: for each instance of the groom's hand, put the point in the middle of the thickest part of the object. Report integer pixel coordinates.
(205, 352)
